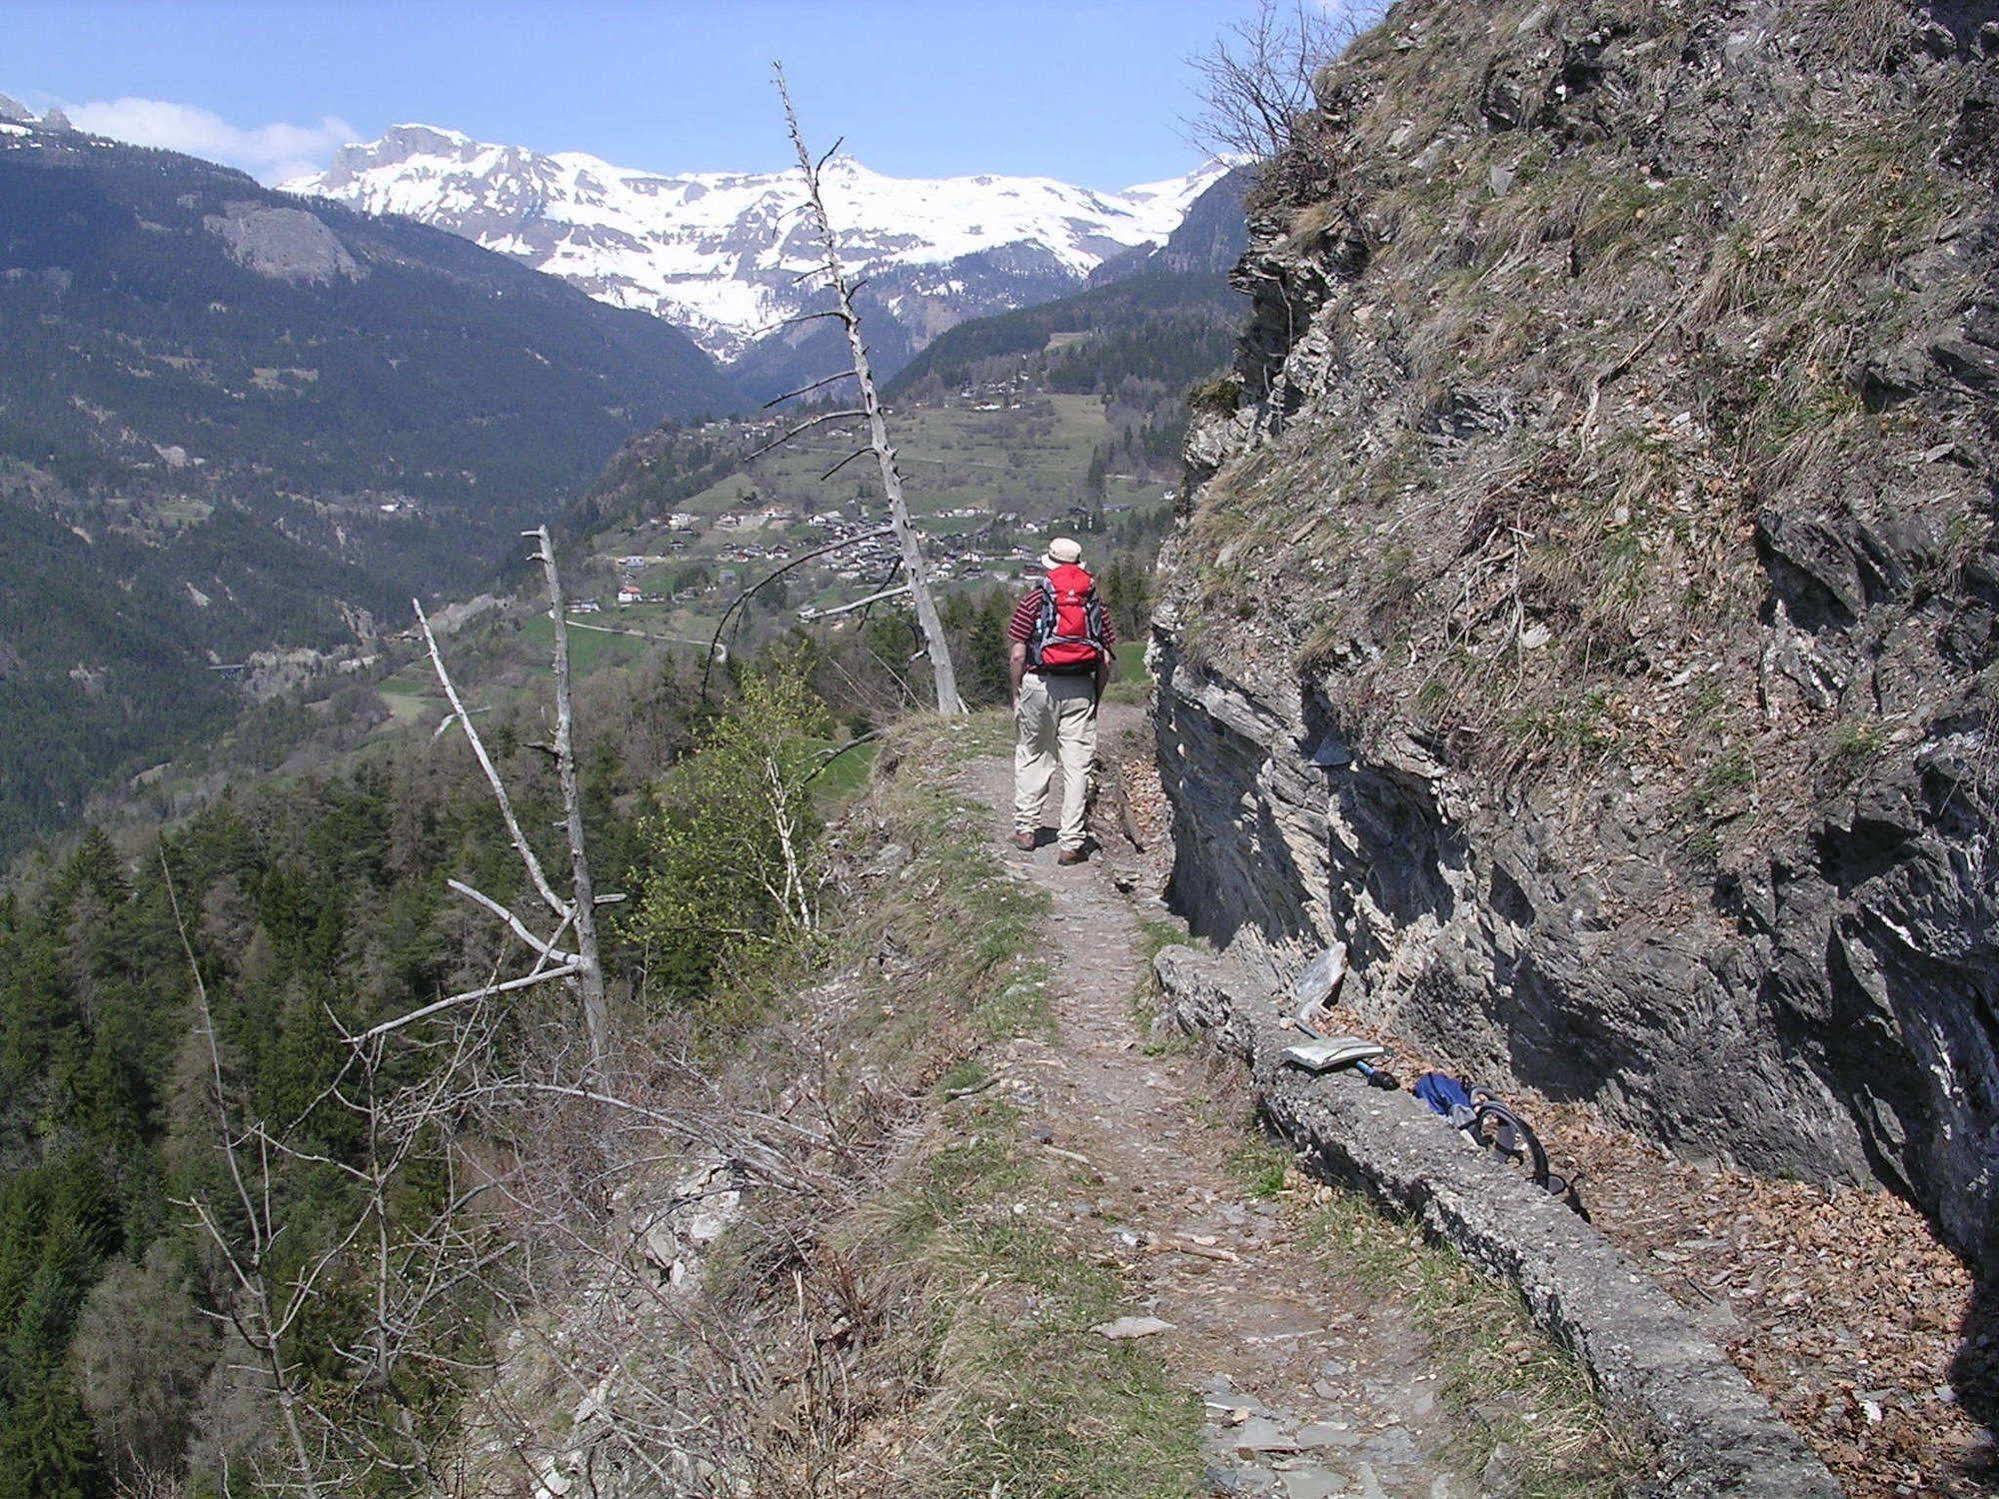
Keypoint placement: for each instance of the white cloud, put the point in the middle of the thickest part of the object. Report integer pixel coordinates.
(271, 153)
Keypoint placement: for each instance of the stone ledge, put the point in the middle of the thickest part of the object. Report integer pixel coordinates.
(1717, 1435)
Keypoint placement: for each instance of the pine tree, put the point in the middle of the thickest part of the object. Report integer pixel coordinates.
(47, 1449)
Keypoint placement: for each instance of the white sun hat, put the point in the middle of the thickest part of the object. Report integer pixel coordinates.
(1062, 552)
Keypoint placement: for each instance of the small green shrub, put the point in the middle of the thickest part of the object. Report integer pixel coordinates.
(1854, 743)
(1220, 396)
(1260, 1164)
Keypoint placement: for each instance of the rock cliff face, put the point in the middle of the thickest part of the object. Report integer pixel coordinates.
(1584, 604)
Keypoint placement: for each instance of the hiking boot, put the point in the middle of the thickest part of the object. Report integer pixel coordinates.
(1024, 841)
(1072, 856)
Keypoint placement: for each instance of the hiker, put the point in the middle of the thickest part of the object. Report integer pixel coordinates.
(1060, 660)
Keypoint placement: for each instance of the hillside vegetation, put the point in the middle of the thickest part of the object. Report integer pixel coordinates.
(314, 909)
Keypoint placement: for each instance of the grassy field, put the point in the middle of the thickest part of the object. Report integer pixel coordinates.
(1031, 460)
(415, 702)
(409, 700)
(592, 645)
(845, 774)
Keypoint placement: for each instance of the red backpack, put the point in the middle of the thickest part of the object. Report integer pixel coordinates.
(1068, 638)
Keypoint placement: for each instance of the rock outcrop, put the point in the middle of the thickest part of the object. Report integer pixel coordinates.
(285, 244)
(1643, 1352)
(1587, 611)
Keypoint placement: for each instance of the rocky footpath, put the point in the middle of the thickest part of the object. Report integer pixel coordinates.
(1717, 1435)
(1584, 604)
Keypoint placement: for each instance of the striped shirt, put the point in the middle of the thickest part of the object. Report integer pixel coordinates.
(1028, 610)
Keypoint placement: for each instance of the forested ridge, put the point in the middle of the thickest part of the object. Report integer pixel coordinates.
(230, 422)
(313, 910)
(1166, 326)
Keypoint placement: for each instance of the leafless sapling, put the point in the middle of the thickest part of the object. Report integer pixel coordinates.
(576, 913)
(1255, 83)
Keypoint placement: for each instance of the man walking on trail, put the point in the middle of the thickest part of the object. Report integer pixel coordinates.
(1060, 660)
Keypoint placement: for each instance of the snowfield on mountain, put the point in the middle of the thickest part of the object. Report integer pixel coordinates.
(718, 252)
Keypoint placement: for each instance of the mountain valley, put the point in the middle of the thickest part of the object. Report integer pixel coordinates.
(225, 429)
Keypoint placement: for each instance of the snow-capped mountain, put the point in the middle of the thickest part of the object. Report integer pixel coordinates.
(717, 252)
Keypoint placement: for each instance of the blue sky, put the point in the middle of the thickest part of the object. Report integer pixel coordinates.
(1093, 93)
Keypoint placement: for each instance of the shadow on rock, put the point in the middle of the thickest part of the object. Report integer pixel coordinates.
(1974, 1375)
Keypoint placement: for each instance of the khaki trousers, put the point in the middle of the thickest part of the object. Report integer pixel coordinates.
(1055, 723)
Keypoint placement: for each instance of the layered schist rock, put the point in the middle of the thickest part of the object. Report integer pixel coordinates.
(719, 253)
(1585, 603)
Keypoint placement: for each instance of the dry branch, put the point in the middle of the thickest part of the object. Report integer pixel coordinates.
(735, 604)
(514, 833)
(803, 390)
(857, 453)
(805, 426)
(874, 598)
(438, 1007)
(514, 924)
(583, 905)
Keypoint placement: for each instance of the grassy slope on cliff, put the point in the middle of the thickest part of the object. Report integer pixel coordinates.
(1628, 324)
(895, 1324)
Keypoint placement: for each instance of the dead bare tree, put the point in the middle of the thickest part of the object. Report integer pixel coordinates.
(578, 911)
(583, 900)
(868, 412)
(1255, 82)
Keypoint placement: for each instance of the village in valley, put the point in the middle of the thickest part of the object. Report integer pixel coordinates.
(990, 471)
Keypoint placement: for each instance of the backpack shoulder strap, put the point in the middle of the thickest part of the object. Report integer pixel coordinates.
(1044, 618)
(1093, 615)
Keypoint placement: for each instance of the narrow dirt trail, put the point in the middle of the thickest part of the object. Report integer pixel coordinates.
(1310, 1388)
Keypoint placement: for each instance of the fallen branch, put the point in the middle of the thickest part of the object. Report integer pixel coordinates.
(1615, 371)
(1070, 1155)
(1170, 1243)
(954, 1094)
